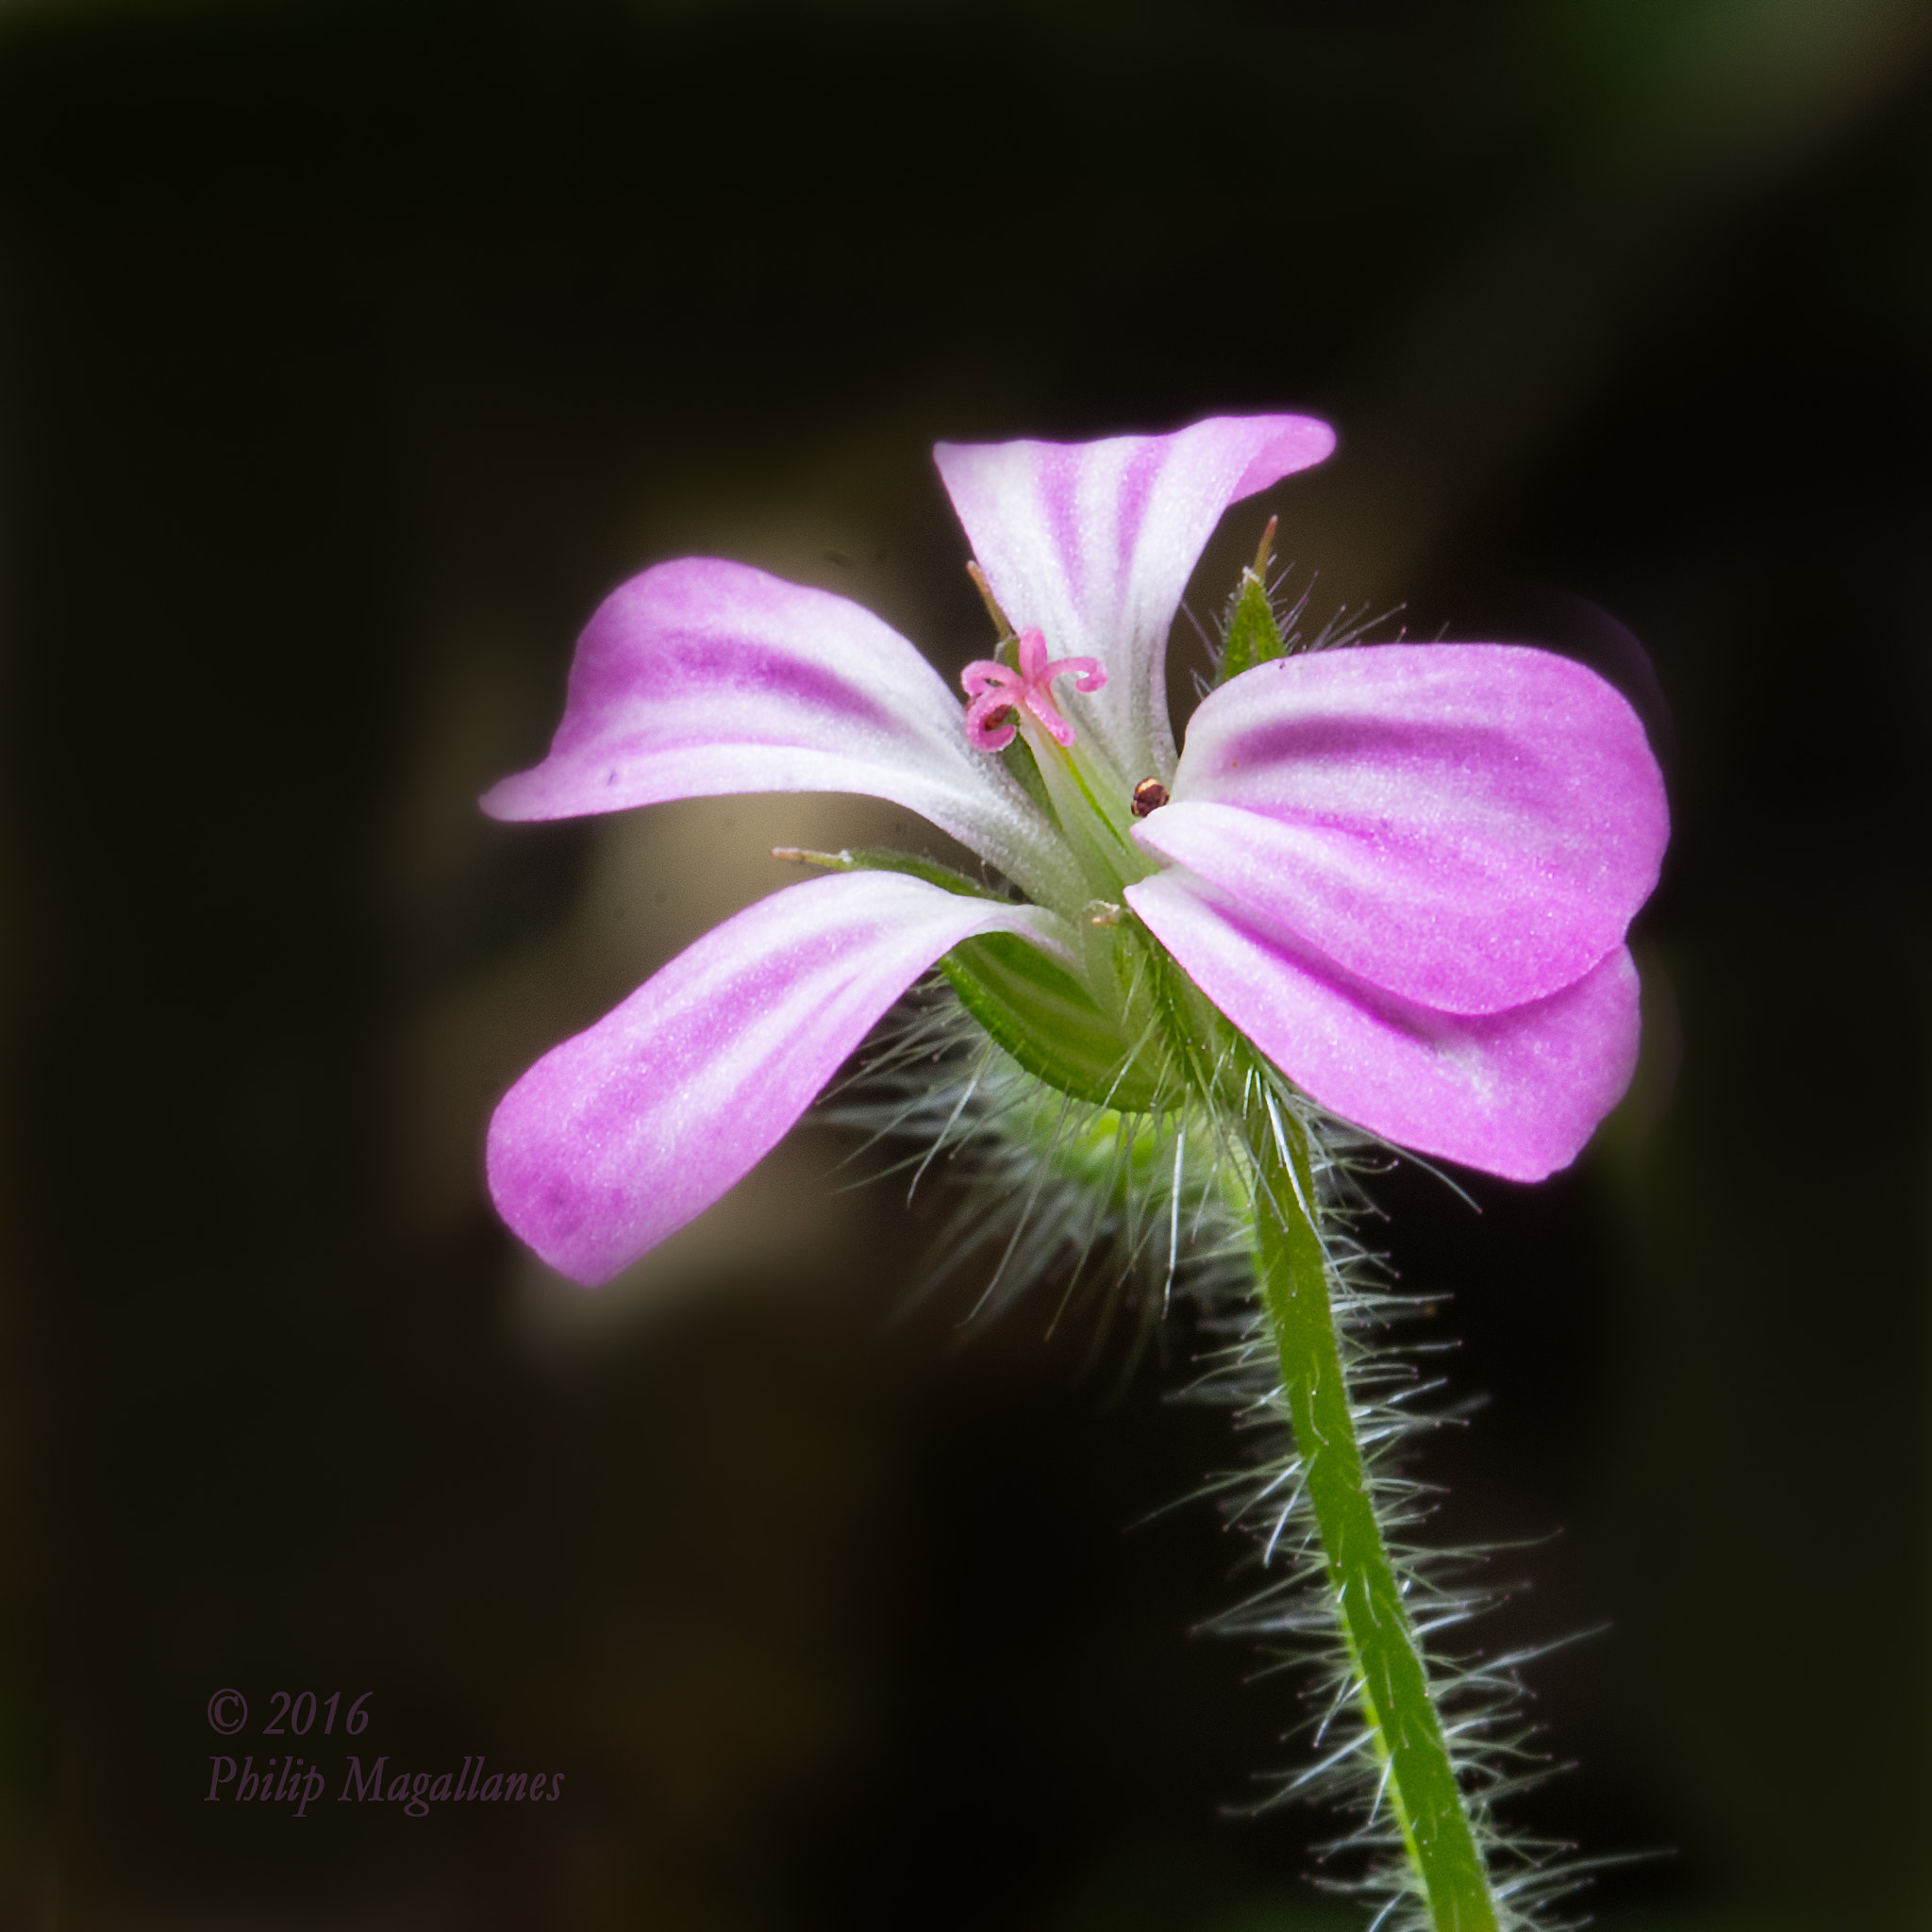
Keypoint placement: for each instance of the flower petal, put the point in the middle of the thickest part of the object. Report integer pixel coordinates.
(1516, 1094)
(1470, 826)
(701, 677)
(1094, 543)
(619, 1137)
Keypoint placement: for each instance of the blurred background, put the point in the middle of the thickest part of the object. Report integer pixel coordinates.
(349, 354)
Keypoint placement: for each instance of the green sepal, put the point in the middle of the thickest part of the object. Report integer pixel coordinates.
(1252, 634)
(1047, 1021)
(1019, 759)
(883, 858)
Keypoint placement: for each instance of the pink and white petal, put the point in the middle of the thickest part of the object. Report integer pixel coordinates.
(617, 1137)
(702, 677)
(1093, 543)
(1516, 1094)
(1469, 825)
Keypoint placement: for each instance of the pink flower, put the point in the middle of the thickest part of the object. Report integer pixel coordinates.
(1404, 871)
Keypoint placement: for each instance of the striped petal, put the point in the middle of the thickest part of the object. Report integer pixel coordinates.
(1516, 1094)
(1093, 543)
(703, 677)
(619, 1137)
(1470, 827)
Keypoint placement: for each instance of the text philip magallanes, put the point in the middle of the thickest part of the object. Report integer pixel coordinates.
(294, 1782)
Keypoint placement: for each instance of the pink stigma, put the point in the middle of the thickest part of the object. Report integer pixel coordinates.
(998, 692)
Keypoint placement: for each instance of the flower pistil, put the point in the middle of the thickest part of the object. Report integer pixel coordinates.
(999, 692)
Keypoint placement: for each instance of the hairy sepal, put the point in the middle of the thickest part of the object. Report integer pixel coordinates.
(883, 858)
(1027, 1003)
(1252, 634)
(1048, 1021)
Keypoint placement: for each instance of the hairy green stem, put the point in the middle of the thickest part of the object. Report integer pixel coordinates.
(1294, 1274)
(1393, 1693)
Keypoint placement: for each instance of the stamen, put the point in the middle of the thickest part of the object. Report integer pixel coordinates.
(1000, 621)
(1149, 794)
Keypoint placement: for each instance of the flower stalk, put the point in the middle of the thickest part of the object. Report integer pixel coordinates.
(1265, 1140)
(1393, 1684)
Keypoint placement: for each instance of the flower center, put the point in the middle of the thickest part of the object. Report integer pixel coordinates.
(999, 692)
(1014, 701)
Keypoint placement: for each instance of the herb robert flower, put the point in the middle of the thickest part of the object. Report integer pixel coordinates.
(1403, 872)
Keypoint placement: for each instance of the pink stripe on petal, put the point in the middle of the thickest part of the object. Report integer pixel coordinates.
(1469, 825)
(617, 1137)
(702, 677)
(1515, 1093)
(1092, 543)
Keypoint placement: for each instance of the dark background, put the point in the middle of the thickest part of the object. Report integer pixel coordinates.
(350, 354)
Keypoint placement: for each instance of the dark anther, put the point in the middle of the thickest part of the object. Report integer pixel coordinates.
(1149, 794)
